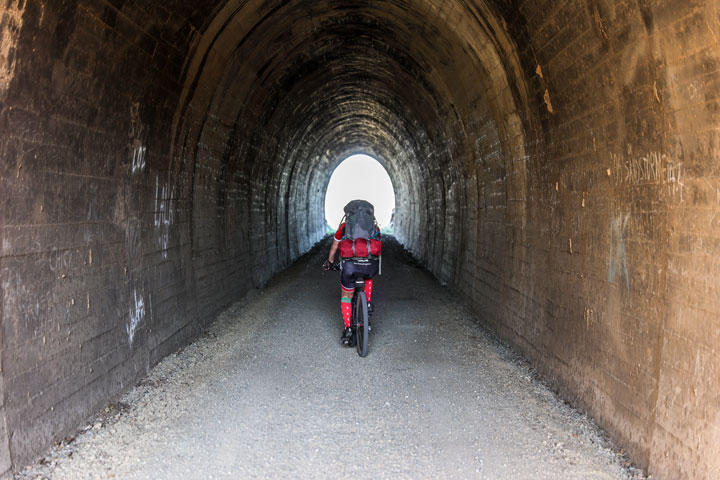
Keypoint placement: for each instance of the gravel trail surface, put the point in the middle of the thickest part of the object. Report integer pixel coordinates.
(269, 392)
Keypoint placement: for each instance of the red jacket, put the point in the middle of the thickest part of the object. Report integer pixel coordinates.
(359, 247)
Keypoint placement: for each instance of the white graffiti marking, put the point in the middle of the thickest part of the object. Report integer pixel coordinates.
(137, 314)
(674, 179)
(652, 168)
(138, 158)
(137, 137)
(638, 170)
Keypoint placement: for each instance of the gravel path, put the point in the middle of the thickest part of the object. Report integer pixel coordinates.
(269, 392)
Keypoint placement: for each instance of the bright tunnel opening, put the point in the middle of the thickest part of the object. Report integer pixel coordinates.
(359, 177)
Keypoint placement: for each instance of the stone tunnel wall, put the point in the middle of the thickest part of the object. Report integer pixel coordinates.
(120, 242)
(556, 163)
(609, 282)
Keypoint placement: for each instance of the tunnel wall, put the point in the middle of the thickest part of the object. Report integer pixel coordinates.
(126, 226)
(593, 248)
(637, 176)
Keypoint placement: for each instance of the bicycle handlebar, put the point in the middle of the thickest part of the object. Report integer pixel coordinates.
(327, 266)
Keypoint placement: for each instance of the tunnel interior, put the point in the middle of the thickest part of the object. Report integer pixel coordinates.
(552, 164)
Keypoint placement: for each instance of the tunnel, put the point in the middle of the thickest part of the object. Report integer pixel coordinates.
(555, 164)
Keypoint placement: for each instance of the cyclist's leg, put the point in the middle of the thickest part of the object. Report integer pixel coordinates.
(347, 288)
(371, 271)
(368, 289)
(346, 305)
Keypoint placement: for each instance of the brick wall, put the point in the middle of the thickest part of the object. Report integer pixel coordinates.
(599, 263)
(554, 162)
(119, 243)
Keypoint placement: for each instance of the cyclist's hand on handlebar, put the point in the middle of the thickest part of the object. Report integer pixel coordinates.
(327, 265)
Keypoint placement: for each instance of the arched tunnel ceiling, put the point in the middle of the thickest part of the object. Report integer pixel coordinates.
(330, 78)
(310, 82)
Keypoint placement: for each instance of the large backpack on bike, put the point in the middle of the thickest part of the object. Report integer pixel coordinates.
(362, 237)
(359, 220)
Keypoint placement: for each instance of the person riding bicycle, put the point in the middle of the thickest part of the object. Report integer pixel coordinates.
(359, 242)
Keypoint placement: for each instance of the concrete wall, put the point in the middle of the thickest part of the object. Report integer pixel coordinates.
(556, 163)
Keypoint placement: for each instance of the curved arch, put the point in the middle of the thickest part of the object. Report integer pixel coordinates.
(330, 91)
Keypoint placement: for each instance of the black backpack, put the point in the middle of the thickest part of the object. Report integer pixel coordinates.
(359, 220)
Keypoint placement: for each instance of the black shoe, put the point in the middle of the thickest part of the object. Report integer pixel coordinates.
(347, 337)
(370, 308)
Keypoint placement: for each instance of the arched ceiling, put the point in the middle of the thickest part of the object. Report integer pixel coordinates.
(312, 82)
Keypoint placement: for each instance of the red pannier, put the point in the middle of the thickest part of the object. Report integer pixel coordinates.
(361, 248)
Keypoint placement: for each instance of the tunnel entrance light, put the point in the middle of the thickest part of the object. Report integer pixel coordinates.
(359, 177)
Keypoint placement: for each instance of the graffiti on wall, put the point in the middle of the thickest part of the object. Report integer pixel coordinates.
(674, 180)
(649, 168)
(636, 170)
(137, 140)
(137, 315)
(138, 159)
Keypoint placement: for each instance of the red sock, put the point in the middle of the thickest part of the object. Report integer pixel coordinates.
(346, 307)
(368, 289)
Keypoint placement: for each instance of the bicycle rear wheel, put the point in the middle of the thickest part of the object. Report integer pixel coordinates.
(361, 324)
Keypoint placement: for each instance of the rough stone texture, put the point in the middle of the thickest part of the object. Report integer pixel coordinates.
(556, 162)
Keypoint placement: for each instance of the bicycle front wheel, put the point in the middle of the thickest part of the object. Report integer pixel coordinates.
(361, 324)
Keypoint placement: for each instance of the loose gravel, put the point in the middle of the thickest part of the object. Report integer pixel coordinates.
(269, 392)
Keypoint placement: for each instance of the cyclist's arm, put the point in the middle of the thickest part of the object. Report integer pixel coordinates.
(333, 249)
(339, 234)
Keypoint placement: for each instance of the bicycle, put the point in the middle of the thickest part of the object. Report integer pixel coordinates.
(359, 321)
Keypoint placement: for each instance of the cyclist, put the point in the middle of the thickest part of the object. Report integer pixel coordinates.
(359, 257)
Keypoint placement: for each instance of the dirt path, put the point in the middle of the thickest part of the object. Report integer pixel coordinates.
(271, 393)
